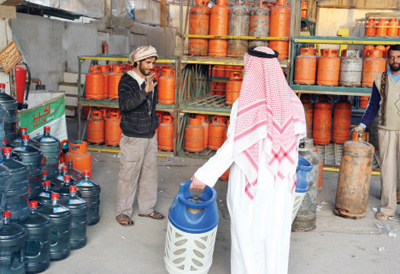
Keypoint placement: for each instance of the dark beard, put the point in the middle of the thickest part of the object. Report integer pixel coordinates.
(393, 68)
(143, 71)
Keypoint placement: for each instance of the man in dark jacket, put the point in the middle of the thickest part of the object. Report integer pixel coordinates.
(137, 95)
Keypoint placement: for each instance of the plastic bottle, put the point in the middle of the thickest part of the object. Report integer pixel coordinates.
(79, 213)
(45, 196)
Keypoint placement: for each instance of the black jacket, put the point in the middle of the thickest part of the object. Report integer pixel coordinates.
(135, 119)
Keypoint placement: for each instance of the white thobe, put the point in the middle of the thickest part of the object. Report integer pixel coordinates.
(260, 228)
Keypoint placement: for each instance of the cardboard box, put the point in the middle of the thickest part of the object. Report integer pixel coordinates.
(70, 89)
(71, 77)
(8, 10)
(71, 100)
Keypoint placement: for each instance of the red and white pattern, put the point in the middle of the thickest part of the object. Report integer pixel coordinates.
(269, 111)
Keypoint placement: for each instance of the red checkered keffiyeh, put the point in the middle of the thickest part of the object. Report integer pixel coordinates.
(270, 112)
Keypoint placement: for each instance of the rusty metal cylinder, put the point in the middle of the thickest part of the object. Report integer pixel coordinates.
(309, 112)
(360, 136)
(216, 133)
(328, 68)
(351, 69)
(305, 67)
(322, 121)
(306, 217)
(259, 25)
(392, 27)
(233, 87)
(354, 179)
(219, 25)
(280, 27)
(341, 120)
(381, 27)
(206, 124)
(199, 17)
(239, 21)
(374, 63)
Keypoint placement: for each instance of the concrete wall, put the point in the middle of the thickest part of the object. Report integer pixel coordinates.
(51, 47)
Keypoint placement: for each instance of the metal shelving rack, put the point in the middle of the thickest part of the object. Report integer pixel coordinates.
(111, 103)
(203, 102)
(297, 42)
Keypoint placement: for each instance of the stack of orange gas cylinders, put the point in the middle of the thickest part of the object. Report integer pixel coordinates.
(215, 21)
(103, 127)
(382, 27)
(200, 134)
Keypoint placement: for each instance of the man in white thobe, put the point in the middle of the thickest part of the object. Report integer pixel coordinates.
(266, 124)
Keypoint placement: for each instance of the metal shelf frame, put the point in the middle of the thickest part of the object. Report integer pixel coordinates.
(300, 41)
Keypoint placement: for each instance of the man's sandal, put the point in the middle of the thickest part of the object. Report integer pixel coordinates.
(124, 220)
(382, 216)
(154, 215)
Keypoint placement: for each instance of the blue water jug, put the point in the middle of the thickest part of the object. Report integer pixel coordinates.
(192, 228)
(37, 247)
(5, 182)
(12, 245)
(17, 198)
(91, 194)
(303, 172)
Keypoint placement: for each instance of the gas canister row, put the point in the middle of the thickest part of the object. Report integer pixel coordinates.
(382, 28)
(231, 89)
(262, 20)
(201, 134)
(102, 82)
(103, 126)
(331, 70)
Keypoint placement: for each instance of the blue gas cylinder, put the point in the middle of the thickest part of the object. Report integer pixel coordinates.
(180, 213)
(303, 172)
(192, 228)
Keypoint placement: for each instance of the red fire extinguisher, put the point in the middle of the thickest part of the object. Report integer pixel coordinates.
(20, 83)
(105, 47)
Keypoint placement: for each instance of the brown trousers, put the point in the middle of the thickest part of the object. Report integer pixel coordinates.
(138, 170)
(389, 150)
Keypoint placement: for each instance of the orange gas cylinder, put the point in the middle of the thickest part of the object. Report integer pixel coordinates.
(372, 65)
(225, 176)
(194, 135)
(219, 88)
(280, 27)
(206, 125)
(95, 127)
(228, 70)
(381, 27)
(112, 131)
(304, 9)
(322, 121)
(341, 120)
(367, 48)
(370, 27)
(105, 71)
(219, 25)
(166, 133)
(386, 52)
(216, 133)
(199, 17)
(219, 71)
(94, 83)
(380, 47)
(392, 27)
(309, 112)
(113, 82)
(328, 68)
(160, 116)
(80, 156)
(320, 169)
(305, 67)
(226, 130)
(363, 101)
(166, 87)
(233, 87)
(352, 190)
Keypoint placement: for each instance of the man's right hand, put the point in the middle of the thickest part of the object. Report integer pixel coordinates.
(149, 83)
(358, 129)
